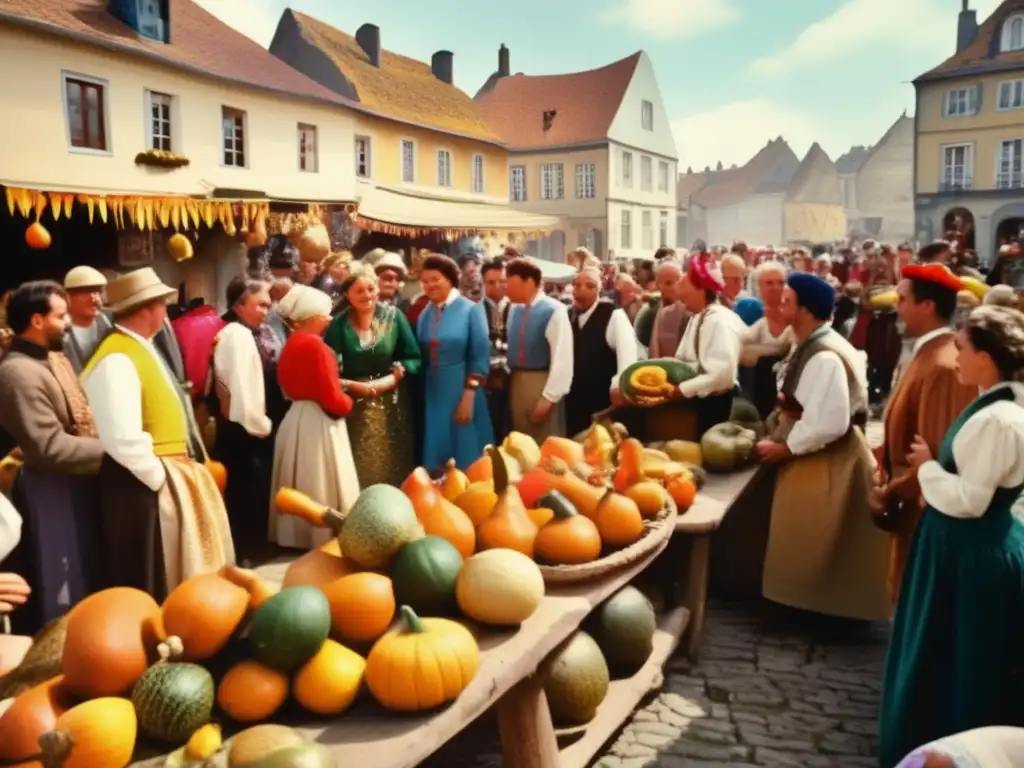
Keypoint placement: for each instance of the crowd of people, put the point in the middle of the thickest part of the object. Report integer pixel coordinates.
(143, 449)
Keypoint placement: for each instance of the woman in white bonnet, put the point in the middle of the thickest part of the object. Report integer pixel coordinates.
(312, 453)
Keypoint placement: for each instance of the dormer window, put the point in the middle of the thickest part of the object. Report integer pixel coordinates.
(1013, 33)
(149, 18)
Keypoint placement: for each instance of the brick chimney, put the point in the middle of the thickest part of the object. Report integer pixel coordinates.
(503, 62)
(966, 28)
(441, 66)
(368, 37)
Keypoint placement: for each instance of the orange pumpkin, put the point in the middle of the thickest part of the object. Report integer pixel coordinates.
(252, 692)
(37, 237)
(111, 637)
(437, 515)
(508, 526)
(619, 520)
(362, 607)
(100, 733)
(534, 484)
(583, 495)
(204, 612)
(218, 472)
(562, 448)
(683, 490)
(541, 516)
(33, 713)
(569, 538)
(478, 501)
(329, 682)
(630, 468)
(649, 496)
(318, 567)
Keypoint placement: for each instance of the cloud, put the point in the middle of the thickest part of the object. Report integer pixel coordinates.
(867, 28)
(726, 133)
(671, 18)
(256, 19)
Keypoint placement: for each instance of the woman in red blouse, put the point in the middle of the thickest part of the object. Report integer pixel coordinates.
(312, 453)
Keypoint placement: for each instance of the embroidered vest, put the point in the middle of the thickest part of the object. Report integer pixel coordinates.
(528, 349)
(163, 417)
(795, 368)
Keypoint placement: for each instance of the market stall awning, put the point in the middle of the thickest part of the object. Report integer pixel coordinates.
(390, 211)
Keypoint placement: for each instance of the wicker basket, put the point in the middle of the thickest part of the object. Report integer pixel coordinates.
(656, 531)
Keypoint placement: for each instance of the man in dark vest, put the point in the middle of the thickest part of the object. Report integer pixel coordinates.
(603, 343)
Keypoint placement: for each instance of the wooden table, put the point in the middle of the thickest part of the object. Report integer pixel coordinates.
(368, 735)
(698, 523)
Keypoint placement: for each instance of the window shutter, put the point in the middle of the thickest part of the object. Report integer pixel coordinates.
(975, 99)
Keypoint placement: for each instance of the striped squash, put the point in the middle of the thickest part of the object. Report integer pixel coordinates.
(172, 700)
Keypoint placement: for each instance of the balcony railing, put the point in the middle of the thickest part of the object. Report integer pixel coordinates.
(958, 183)
(1010, 180)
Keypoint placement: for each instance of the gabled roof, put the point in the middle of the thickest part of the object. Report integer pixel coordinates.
(810, 183)
(199, 43)
(691, 183)
(401, 88)
(852, 161)
(901, 122)
(769, 171)
(584, 103)
(982, 55)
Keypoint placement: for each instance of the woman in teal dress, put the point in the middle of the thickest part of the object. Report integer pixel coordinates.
(377, 352)
(456, 347)
(956, 653)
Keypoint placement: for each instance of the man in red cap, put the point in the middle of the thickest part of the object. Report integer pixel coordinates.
(927, 398)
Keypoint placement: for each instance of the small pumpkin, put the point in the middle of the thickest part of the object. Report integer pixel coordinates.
(500, 587)
(437, 515)
(508, 526)
(583, 495)
(251, 692)
(478, 501)
(649, 496)
(683, 490)
(318, 567)
(619, 520)
(630, 467)
(111, 638)
(562, 448)
(454, 481)
(328, 683)
(99, 733)
(569, 538)
(523, 449)
(432, 660)
(424, 575)
(218, 472)
(31, 714)
(37, 237)
(173, 698)
(204, 611)
(362, 606)
(727, 447)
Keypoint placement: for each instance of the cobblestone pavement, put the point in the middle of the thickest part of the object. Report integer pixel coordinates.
(804, 694)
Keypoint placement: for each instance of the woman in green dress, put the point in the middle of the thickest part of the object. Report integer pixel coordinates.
(956, 653)
(377, 352)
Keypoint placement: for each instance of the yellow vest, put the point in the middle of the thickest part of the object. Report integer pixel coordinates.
(162, 415)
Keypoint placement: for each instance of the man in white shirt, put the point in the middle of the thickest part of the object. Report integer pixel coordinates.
(540, 353)
(603, 336)
(162, 518)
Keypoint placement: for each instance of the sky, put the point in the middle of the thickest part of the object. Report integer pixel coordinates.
(732, 73)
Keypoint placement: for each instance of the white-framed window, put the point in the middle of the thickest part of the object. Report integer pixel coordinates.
(552, 181)
(957, 166)
(646, 173)
(517, 183)
(662, 176)
(626, 234)
(85, 109)
(1010, 174)
(961, 102)
(308, 150)
(663, 229)
(408, 161)
(586, 180)
(444, 168)
(626, 170)
(647, 230)
(1012, 38)
(647, 115)
(233, 132)
(363, 154)
(1011, 95)
(159, 114)
(477, 174)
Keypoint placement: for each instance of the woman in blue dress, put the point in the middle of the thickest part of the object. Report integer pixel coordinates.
(456, 351)
(956, 653)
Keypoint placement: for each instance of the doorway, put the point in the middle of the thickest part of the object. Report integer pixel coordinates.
(958, 226)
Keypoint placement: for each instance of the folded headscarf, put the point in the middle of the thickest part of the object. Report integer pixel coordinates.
(302, 303)
(704, 273)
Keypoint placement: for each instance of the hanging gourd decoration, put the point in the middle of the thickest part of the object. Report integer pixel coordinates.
(509, 525)
(38, 237)
(568, 538)
(180, 247)
(434, 660)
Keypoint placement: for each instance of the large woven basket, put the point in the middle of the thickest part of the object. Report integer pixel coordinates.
(657, 530)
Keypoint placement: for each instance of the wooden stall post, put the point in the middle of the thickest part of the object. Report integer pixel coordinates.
(524, 723)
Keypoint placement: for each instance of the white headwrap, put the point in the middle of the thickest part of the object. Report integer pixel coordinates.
(302, 303)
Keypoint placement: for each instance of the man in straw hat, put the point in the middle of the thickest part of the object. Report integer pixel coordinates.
(162, 518)
(88, 326)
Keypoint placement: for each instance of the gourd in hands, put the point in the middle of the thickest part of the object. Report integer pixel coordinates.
(650, 382)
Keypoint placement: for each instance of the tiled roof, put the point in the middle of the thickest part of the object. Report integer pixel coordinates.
(983, 55)
(769, 171)
(852, 161)
(401, 88)
(585, 103)
(810, 183)
(199, 42)
(689, 184)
